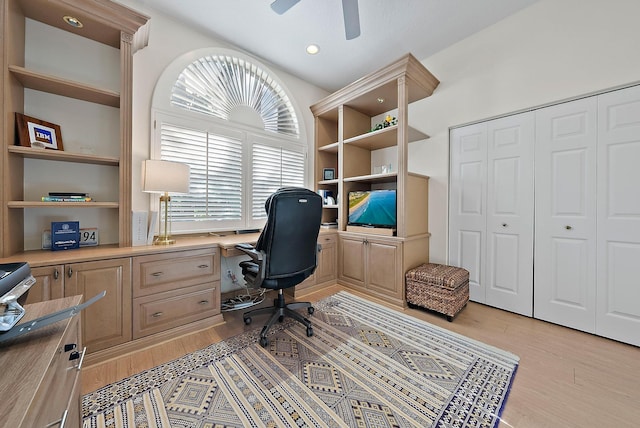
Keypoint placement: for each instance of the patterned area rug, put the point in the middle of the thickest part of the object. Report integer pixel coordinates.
(365, 366)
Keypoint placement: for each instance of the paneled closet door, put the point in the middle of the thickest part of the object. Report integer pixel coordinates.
(467, 205)
(491, 210)
(509, 254)
(618, 284)
(565, 239)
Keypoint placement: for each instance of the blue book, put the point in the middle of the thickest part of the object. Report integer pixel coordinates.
(65, 235)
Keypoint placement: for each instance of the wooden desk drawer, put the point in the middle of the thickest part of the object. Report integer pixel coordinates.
(60, 385)
(158, 273)
(162, 311)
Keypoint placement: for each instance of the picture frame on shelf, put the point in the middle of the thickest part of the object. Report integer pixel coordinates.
(328, 174)
(38, 133)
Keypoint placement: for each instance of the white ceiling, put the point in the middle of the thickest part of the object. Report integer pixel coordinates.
(389, 29)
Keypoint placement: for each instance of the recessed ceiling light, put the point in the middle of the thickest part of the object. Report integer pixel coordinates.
(74, 22)
(313, 49)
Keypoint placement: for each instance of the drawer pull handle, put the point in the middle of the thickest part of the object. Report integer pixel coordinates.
(70, 272)
(75, 355)
(203, 302)
(157, 274)
(62, 421)
(56, 274)
(157, 315)
(69, 347)
(203, 266)
(568, 227)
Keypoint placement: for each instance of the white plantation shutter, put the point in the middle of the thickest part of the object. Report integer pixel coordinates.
(215, 190)
(273, 168)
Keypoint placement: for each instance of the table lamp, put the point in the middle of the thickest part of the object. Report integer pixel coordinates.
(164, 177)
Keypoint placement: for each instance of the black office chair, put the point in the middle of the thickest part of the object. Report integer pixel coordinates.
(285, 254)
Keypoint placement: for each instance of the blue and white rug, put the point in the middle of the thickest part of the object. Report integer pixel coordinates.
(365, 366)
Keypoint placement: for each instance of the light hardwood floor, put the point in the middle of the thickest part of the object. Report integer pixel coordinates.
(565, 378)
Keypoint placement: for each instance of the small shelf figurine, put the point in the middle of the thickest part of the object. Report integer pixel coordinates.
(388, 121)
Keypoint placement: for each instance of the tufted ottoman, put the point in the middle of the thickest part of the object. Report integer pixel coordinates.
(440, 288)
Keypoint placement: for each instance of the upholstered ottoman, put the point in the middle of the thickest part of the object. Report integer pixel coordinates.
(440, 288)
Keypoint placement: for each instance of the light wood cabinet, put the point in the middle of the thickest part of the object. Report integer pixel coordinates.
(373, 265)
(326, 272)
(349, 140)
(80, 79)
(49, 284)
(107, 322)
(174, 289)
(41, 371)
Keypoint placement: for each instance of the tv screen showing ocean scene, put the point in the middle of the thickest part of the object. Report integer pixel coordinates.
(373, 208)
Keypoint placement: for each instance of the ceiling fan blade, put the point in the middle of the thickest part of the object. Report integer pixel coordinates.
(281, 6)
(351, 18)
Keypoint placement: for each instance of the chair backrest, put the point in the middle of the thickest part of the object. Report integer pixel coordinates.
(289, 238)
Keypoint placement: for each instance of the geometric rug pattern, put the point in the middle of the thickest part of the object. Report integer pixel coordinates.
(365, 366)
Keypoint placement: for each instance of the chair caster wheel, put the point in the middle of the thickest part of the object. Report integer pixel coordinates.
(309, 331)
(280, 318)
(247, 320)
(311, 310)
(264, 342)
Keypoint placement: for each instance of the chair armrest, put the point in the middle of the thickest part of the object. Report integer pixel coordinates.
(256, 256)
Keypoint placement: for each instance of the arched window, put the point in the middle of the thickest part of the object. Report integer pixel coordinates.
(233, 123)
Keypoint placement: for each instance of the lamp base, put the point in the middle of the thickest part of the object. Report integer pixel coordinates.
(164, 240)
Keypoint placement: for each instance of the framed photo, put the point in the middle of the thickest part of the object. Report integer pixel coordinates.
(37, 133)
(328, 174)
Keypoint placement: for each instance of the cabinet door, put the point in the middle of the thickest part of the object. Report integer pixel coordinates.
(383, 261)
(107, 322)
(49, 284)
(565, 204)
(509, 251)
(352, 262)
(618, 217)
(468, 192)
(327, 259)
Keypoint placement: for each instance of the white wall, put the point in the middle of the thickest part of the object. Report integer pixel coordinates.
(169, 39)
(551, 51)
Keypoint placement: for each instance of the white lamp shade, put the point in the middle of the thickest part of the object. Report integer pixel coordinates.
(160, 176)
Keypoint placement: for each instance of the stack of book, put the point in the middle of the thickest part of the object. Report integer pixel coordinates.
(66, 197)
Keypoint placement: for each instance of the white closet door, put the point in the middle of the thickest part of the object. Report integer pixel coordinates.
(509, 254)
(618, 284)
(565, 201)
(467, 212)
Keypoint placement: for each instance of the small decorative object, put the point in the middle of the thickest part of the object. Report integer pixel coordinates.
(37, 133)
(388, 121)
(328, 174)
(65, 235)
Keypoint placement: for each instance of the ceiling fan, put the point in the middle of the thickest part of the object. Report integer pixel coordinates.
(349, 11)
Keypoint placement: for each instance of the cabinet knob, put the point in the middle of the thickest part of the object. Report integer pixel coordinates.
(56, 274)
(156, 274)
(203, 266)
(568, 227)
(157, 315)
(203, 302)
(70, 272)
(504, 225)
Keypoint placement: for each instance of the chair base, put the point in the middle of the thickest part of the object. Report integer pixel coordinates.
(278, 311)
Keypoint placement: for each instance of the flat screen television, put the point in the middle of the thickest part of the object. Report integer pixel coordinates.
(373, 208)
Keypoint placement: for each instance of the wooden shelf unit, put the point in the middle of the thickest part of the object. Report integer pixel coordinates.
(344, 140)
(27, 79)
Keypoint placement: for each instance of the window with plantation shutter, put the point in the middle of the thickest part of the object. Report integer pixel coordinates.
(234, 125)
(273, 167)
